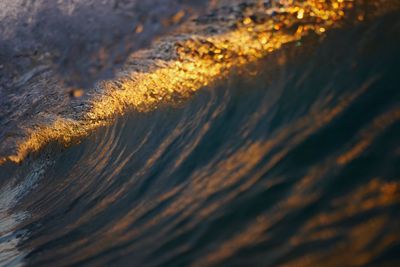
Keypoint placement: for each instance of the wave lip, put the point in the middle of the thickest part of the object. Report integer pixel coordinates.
(172, 69)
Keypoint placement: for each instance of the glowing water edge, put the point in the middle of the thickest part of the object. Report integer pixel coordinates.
(257, 135)
(198, 54)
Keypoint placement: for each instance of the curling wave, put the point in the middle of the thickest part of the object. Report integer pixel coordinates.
(201, 52)
(288, 157)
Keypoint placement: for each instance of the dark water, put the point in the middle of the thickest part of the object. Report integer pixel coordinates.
(292, 161)
(84, 40)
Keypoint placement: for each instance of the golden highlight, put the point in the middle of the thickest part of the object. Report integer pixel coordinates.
(201, 52)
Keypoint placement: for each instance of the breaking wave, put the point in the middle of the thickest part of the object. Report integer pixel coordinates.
(260, 134)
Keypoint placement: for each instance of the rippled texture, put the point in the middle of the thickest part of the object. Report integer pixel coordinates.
(290, 160)
(175, 67)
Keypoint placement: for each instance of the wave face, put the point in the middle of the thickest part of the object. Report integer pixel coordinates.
(38, 110)
(288, 156)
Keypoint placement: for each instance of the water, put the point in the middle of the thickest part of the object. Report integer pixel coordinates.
(83, 40)
(290, 160)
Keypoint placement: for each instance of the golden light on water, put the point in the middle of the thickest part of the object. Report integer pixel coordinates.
(176, 67)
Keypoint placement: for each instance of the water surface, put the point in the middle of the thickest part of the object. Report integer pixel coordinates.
(291, 160)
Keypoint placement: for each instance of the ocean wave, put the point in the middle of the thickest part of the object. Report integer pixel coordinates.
(288, 157)
(196, 55)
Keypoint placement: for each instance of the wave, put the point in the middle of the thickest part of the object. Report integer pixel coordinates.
(291, 159)
(196, 55)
